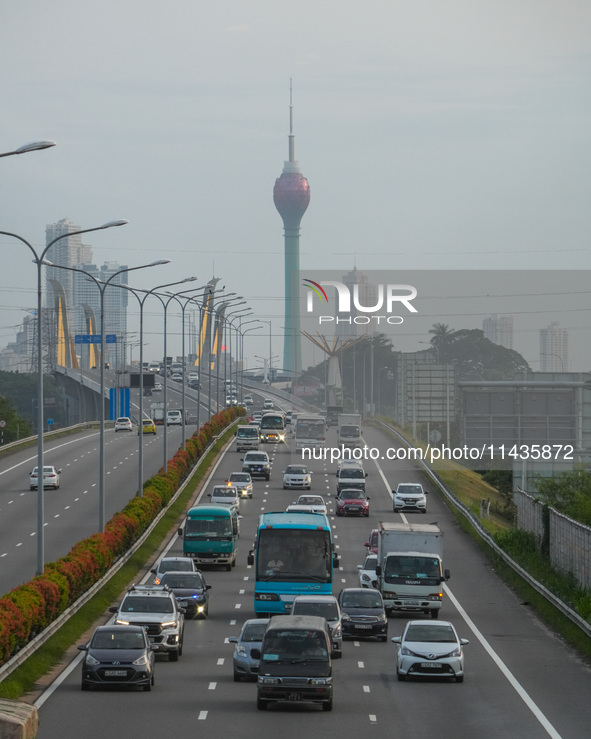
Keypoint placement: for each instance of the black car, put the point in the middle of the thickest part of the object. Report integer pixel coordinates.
(118, 655)
(190, 590)
(363, 613)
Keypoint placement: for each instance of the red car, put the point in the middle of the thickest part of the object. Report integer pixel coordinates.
(372, 543)
(352, 502)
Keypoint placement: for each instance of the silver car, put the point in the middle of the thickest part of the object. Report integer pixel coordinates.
(242, 481)
(430, 649)
(325, 606)
(251, 637)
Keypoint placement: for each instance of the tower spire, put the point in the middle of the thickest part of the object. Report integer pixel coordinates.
(291, 134)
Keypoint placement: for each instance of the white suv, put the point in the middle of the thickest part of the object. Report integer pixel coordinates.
(410, 496)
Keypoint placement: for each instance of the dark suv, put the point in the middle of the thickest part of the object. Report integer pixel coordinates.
(154, 607)
(257, 463)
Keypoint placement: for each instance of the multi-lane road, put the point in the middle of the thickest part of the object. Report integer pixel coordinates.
(521, 680)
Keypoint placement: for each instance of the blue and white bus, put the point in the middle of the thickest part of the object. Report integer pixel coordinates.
(293, 555)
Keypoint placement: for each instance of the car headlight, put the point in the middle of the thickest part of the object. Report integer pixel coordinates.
(337, 632)
(382, 618)
(121, 622)
(457, 652)
(241, 651)
(320, 681)
(407, 652)
(266, 596)
(90, 660)
(269, 680)
(143, 660)
(169, 625)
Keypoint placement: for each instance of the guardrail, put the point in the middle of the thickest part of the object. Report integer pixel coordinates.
(54, 626)
(584, 625)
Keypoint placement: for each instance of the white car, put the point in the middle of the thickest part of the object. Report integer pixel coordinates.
(315, 503)
(123, 424)
(410, 496)
(242, 481)
(172, 564)
(174, 418)
(157, 387)
(193, 376)
(248, 400)
(51, 478)
(430, 649)
(176, 377)
(225, 495)
(367, 572)
(267, 403)
(297, 476)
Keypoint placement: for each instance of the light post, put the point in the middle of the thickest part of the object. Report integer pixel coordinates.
(230, 323)
(33, 146)
(102, 286)
(379, 388)
(270, 355)
(219, 314)
(38, 259)
(141, 302)
(242, 334)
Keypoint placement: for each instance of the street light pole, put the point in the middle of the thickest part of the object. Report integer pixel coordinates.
(38, 259)
(33, 146)
(102, 286)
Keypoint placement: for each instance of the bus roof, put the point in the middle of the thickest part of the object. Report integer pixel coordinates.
(294, 520)
(209, 510)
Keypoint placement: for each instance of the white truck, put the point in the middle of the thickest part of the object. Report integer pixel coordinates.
(349, 430)
(409, 569)
(247, 438)
(157, 413)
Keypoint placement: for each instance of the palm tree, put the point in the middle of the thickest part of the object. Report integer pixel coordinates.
(440, 339)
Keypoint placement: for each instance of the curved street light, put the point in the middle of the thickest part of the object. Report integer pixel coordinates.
(32, 146)
(38, 259)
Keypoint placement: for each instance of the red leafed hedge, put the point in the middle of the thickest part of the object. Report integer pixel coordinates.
(28, 609)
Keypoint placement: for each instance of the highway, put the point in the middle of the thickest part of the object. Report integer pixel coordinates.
(71, 513)
(521, 680)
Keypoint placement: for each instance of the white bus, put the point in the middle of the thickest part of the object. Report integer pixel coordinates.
(310, 432)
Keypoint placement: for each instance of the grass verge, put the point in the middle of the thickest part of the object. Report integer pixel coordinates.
(24, 678)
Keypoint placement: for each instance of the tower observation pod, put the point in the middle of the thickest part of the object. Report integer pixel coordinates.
(291, 196)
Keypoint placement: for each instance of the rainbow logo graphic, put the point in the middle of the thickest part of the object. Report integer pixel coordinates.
(318, 289)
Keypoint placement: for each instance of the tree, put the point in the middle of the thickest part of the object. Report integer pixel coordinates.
(569, 493)
(440, 340)
(16, 427)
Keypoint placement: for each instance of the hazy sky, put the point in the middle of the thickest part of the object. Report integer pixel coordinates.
(434, 134)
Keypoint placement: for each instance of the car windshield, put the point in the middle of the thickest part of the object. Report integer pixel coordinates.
(328, 611)
(294, 645)
(428, 633)
(240, 477)
(175, 564)
(147, 604)
(253, 632)
(292, 470)
(353, 495)
(310, 500)
(370, 563)
(409, 490)
(191, 580)
(224, 492)
(353, 472)
(118, 640)
(362, 599)
(256, 458)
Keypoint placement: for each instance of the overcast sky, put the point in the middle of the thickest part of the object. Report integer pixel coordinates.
(434, 134)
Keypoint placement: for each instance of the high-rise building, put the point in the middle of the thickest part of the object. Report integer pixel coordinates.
(553, 348)
(66, 252)
(499, 330)
(291, 196)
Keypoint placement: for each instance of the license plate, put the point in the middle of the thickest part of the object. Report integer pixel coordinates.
(362, 626)
(411, 602)
(294, 696)
(115, 673)
(429, 666)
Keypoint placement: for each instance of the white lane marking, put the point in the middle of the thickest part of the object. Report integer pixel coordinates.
(19, 544)
(519, 689)
(4, 555)
(221, 661)
(238, 605)
(241, 592)
(361, 665)
(373, 718)
(233, 622)
(245, 578)
(212, 686)
(366, 689)
(59, 446)
(202, 716)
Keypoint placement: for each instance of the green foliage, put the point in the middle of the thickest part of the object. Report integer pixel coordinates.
(568, 492)
(16, 427)
(21, 390)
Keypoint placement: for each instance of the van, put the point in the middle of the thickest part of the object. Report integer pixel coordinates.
(295, 662)
(267, 403)
(174, 418)
(351, 476)
(210, 535)
(247, 438)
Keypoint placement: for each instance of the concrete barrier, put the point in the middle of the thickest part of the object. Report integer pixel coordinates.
(18, 720)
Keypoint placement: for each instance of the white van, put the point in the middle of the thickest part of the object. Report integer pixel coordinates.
(268, 403)
(174, 418)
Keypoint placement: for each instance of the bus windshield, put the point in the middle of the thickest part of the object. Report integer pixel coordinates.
(302, 555)
(273, 421)
(208, 528)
